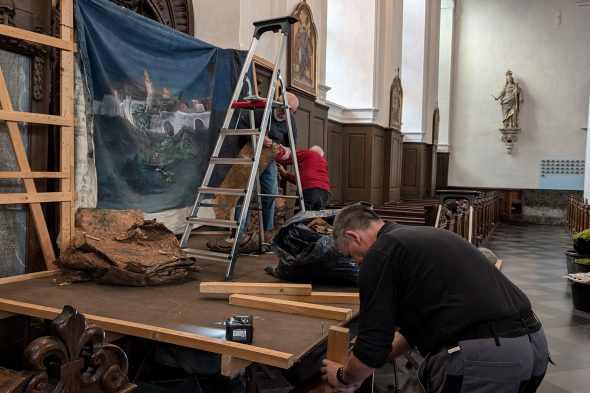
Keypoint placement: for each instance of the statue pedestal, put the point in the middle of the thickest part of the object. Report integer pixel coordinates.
(509, 137)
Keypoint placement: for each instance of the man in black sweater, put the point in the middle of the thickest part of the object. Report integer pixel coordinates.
(428, 288)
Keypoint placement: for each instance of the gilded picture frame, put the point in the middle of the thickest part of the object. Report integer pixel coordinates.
(302, 59)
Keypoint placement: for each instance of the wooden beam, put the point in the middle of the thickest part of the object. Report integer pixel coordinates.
(338, 340)
(286, 306)
(39, 118)
(41, 197)
(150, 332)
(32, 175)
(255, 288)
(324, 298)
(37, 38)
(28, 276)
(23, 165)
(231, 366)
(66, 216)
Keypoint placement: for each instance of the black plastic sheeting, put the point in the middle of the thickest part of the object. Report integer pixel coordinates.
(306, 256)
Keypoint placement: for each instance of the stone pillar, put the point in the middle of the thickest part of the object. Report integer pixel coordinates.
(445, 66)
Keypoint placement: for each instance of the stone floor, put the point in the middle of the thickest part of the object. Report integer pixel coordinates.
(534, 260)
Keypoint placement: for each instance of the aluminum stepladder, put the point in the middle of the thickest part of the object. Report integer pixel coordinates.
(283, 26)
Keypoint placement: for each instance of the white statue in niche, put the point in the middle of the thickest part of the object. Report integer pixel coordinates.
(511, 98)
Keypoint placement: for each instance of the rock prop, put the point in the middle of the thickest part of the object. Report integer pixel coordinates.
(118, 247)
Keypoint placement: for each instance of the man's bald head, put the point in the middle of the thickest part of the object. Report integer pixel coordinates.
(292, 101)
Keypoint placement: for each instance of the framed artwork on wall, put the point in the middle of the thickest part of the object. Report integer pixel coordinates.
(302, 50)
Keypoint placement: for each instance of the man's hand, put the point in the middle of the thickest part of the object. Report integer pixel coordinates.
(329, 370)
(282, 171)
(267, 141)
(287, 152)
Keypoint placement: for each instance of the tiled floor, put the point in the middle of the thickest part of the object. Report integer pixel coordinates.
(534, 259)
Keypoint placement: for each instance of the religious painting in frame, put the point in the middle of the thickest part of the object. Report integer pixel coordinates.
(302, 52)
(396, 103)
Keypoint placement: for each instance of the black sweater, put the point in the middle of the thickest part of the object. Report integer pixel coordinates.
(432, 285)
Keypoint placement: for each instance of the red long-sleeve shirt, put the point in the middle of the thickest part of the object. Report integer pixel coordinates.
(313, 169)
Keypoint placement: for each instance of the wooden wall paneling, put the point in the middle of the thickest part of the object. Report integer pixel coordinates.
(395, 182)
(442, 169)
(356, 181)
(335, 160)
(317, 135)
(416, 169)
(392, 159)
(377, 165)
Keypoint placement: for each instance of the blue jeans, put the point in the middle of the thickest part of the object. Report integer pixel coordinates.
(269, 184)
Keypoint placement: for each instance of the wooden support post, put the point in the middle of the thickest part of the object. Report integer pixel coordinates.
(231, 366)
(23, 164)
(67, 132)
(338, 339)
(286, 306)
(259, 288)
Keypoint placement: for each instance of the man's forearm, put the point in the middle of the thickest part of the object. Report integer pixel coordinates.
(399, 346)
(356, 371)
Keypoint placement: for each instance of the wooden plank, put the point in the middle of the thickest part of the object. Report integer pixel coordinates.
(324, 298)
(37, 38)
(231, 366)
(255, 288)
(286, 306)
(23, 165)
(28, 276)
(66, 216)
(32, 175)
(338, 339)
(190, 340)
(36, 198)
(38, 118)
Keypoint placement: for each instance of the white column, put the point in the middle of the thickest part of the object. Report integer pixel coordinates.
(587, 162)
(445, 66)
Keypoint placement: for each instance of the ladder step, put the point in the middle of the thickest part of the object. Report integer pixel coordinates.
(231, 161)
(280, 196)
(239, 131)
(222, 191)
(249, 104)
(213, 222)
(204, 254)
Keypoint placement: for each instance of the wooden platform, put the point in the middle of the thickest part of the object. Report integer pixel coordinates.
(178, 314)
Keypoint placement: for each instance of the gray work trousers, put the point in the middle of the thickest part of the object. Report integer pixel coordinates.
(516, 365)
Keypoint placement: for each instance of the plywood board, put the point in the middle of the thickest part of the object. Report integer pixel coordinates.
(190, 340)
(290, 307)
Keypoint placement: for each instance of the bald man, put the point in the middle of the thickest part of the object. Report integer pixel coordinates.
(269, 183)
(313, 170)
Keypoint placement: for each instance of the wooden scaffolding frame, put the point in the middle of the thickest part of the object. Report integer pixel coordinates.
(66, 195)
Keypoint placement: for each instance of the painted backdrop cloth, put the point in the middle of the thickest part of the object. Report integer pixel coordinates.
(158, 98)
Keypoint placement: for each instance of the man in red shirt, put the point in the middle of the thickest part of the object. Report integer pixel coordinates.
(313, 169)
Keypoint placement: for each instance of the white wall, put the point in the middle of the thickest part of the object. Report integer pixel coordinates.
(350, 53)
(551, 63)
(228, 24)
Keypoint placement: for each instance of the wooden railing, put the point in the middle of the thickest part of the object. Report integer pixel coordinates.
(577, 217)
(471, 214)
